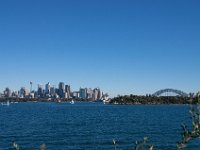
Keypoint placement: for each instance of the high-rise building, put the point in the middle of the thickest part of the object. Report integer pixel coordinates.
(47, 88)
(7, 92)
(83, 93)
(23, 92)
(75, 94)
(61, 89)
(40, 91)
(52, 91)
(97, 94)
(68, 91)
(89, 93)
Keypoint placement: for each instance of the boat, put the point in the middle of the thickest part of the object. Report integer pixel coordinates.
(6, 104)
(58, 101)
(72, 102)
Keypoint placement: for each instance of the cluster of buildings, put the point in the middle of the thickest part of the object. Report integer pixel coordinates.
(62, 91)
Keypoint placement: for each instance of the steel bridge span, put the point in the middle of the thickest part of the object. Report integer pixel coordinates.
(178, 92)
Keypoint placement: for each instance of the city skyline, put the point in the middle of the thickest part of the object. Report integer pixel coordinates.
(61, 91)
(47, 87)
(124, 47)
(30, 85)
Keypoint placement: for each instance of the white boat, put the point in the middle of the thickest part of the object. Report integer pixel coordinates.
(6, 104)
(72, 102)
(59, 101)
(104, 101)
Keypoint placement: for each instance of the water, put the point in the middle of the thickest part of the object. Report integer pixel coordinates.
(92, 126)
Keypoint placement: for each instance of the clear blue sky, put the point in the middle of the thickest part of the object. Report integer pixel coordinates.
(121, 46)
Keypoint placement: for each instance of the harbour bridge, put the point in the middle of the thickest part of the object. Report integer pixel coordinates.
(168, 90)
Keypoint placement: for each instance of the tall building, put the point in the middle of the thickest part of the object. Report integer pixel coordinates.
(52, 91)
(7, 92)
(23, 92)
(97, 94)
(75, 94)
(83, 93)
(68, 91)
(61, 89)
(40, 91)
(89, 93)
(47, 88)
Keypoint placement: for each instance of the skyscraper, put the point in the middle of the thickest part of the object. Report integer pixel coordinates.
(83, 93)
(7, 92)
(61, 89)
(97, 94)
(40, 91)
(23, 92)
(47, 88)
(89, 93)
(68, 91)
(52, 91)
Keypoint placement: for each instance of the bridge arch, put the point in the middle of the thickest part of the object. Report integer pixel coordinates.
(179, 92)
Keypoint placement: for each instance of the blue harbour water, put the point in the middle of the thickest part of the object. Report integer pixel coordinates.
(63, 126)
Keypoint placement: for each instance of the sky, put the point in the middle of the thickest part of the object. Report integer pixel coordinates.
(121, 46)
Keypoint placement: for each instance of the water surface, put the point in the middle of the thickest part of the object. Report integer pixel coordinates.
(92, 126)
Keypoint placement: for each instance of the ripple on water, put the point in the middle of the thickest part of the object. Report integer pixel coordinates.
(91, 126)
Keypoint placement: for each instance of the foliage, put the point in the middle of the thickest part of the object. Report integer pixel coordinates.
(15, 146)
(148, 99)
(139, 145)
(195, 132)
(43, 147)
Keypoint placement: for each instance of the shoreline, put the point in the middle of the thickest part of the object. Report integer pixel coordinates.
(122, 100)
(11, 99)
